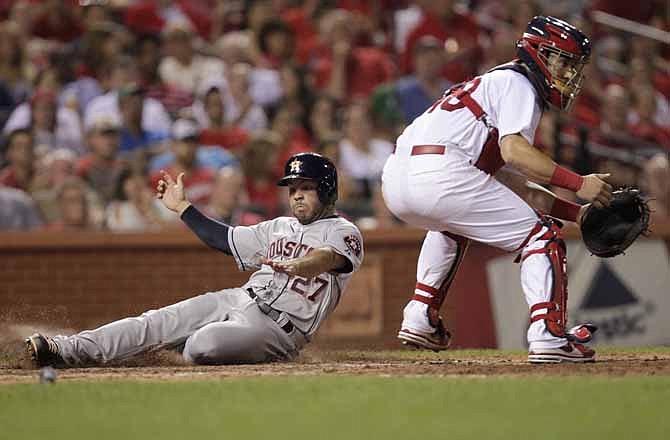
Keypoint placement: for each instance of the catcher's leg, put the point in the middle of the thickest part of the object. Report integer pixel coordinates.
(544, 283)
(440, 257)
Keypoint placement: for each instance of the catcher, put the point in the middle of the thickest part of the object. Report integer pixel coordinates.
(445, 176)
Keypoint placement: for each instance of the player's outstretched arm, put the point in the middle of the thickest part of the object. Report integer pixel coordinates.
(314, 263)
(539, 167)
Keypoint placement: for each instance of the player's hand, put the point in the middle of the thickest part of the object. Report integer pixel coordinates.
(596, 190)
(289, 267)
(171, 193)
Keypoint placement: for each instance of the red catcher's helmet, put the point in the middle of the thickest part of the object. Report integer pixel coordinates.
(556, 53)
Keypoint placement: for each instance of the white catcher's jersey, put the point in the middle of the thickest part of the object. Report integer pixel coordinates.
(507, 97)
(307, 301)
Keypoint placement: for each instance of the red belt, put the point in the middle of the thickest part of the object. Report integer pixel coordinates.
(418, 150)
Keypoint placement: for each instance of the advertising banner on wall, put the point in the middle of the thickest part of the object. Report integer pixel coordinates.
(627, 297)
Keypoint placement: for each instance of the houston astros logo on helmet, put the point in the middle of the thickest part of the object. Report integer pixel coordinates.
(295, 166)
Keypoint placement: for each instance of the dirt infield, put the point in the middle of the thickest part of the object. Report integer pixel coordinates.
(15, 367)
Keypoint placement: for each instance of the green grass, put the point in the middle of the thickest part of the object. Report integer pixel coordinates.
(343, 408)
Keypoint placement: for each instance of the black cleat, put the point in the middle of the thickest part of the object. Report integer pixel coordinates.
(43, 351)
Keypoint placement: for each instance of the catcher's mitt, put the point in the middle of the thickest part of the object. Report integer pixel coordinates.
(608, 232)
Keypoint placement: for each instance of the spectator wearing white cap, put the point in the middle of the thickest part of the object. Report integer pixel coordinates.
(198, 179)
(213, 157)
(51, 170)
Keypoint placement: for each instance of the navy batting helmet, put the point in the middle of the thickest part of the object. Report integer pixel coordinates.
(313, 166)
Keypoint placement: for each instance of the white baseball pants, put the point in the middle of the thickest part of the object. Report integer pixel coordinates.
(444, 192)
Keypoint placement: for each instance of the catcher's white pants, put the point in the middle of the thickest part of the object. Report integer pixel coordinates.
(444, 192)
(221, 327)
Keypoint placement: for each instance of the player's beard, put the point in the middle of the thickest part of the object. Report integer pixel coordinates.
(321, 212)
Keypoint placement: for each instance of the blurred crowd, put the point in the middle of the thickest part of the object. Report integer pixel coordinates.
(97, 96)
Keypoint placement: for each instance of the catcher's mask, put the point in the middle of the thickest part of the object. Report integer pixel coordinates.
(313, 166)
(556, 53)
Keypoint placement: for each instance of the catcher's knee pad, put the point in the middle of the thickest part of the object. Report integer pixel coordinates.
(553, 312)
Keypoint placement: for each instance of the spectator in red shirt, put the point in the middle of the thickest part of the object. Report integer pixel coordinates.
(19, 153)
(151, 16)
(259, 166)
(229, 202)
(198, 180)
(458, 31)
(57, 21)
(301, 20)
(210, 113)
(343, 70)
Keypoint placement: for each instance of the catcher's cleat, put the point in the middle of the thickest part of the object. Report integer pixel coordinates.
(570, 352)
(43, 351)
(437, 341)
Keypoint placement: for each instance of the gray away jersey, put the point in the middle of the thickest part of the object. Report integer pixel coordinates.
(307, 301)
